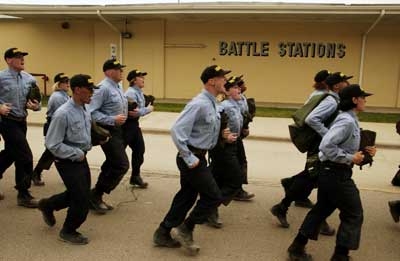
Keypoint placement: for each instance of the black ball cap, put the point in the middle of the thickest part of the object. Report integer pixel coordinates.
(61, 77)
(321, 76)
(351, 91)
(82, 80)
(112, 64)
(135, 73)
(14, 52)
(336, 77)
(211, 72)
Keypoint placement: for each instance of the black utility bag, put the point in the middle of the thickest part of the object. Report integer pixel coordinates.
(367, 138)
(303, 136)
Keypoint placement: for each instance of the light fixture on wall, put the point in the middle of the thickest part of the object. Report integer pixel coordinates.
(126, 35)
(65, 25)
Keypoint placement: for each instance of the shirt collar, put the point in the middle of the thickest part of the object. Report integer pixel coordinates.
(210, 96)
(136, 88)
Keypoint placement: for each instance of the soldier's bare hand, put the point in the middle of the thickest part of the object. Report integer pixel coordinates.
(225, 133)
(358, 157)
(194, 165)
(134, 113)
(5, 109)
(120, 119)
(371, 150)
(32, 105)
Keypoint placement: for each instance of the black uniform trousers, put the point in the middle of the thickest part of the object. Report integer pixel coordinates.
(47, 157)
(76, 177)
(194, 182)
(226, 169)
(241, 154)
(336, 190)
(302, 184)
(116, 164)
(133, 138)
(17, 151)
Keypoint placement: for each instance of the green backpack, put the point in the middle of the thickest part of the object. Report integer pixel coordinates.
(303, 136)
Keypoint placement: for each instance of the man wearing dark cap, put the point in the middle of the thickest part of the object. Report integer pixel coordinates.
(196, 131)
(225, 164)
(132, 133)
(339, 151)
(57, 98)
(319, 120)
(243, 195)
(68, 138)
(109, 108)
(320, 87)
(15, 84)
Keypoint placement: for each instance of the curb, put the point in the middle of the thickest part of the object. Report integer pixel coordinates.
(156, 131)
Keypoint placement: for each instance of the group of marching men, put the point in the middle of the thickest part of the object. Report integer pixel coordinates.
(69, 134)
(206, 125)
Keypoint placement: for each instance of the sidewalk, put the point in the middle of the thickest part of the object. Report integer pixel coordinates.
(262, 128)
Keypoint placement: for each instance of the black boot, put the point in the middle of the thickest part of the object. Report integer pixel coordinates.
(138, 181)
(25, 199)
(162, 238)
(96, 203)
(37, 178)
(185, 237)
(297, 252)
(326, 230)
(47, 213)
(279, 211)
(213, 220)
(243, 195)
(74, 238)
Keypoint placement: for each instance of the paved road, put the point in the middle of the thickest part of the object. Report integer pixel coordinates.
(250, 232)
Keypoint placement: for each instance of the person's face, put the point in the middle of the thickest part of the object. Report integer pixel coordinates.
(234, 93)
(218, 84)
(339, 86)
(84, 94)
(360, 102)
(116, 75)
(17, 63)
(139, 81)
(64, 85)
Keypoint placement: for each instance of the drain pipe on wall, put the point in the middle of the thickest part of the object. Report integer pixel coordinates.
(114, 29)
(364, 40)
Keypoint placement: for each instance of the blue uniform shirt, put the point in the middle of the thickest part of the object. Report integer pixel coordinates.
(198, 125)
(235, 118)
(342, 140)
(134, 93)
(322, 112)
(57, 98)
(68, 136)
(108, 101)
(14, 88)
(244, 107)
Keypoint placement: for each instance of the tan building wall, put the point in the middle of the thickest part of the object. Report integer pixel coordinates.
(175, 52)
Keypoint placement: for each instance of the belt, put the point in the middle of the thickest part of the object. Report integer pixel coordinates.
(336, 165)
(13, 118)
(197, 151)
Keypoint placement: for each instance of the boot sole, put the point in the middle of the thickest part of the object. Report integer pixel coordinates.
(73, 243)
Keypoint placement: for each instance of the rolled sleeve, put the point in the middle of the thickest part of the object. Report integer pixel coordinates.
(181, 131)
